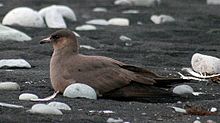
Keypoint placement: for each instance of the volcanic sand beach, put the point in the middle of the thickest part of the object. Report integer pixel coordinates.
(164, 49)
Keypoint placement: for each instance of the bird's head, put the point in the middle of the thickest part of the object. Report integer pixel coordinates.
(60, 39)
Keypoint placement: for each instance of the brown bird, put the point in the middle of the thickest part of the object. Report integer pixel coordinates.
(109, 77)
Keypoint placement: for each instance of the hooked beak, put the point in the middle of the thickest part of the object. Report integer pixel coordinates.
(45, 40)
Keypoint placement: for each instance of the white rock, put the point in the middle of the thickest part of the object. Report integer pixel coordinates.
(87, 47)
(44, 109)
(55, 20)
(7, 33)
(183, 89)
(27, 96)
(9, 86)
(177, 109)
(147, 3)
(76, 34)
(1, 5)
(98, 22)
(213, 2)
(124, 38)
(54, 15)
(119, 21)
(205, 64)
(85, 28)
(161, 19)
(196, 121)
(108, 112)
(112, 120)
(130, 12)
(23, 16)
(80, 90)
(213, 109)
(11, 63)
(59, 105)
(99, 9)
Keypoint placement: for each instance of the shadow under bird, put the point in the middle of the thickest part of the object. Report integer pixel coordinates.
(110, 78)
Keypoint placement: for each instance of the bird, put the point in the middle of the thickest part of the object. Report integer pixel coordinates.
(109, 77)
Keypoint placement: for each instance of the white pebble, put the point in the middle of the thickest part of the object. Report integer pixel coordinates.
(196, 121)
(80, 90)
(9, 86)
(130, 12)
(99, 9)
(59, 105)
(98, 22)
(87, 47)
(119, 21)
(76, 34)
(112, 120)
(213, 2)
(213, 109)
(11, 63)
(7, 33)
(124, 38)
(85, 28)
(108, 112)
(23, 16)
(210, 121)
(146, 3)
(205, 64)
(180, 110)
(183, 89)
(161, 19)
(44, 109)
(27, 96)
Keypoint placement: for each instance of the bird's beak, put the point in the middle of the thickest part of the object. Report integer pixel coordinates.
(45, 40)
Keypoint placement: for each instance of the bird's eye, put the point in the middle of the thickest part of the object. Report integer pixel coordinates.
(55, 37)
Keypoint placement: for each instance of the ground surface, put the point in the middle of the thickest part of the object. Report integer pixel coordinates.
(164, 49)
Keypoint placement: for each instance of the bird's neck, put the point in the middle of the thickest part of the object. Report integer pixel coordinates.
(66, 51)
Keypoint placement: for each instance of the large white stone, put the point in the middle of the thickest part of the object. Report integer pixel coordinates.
(59, 105)
(146, 3)
(27, 96)
(183, 89)
(85, 28)
(45, 109)
(23, 16)
(98, 22)
(54, 13)
(161, 19)
(205, 64)
(119, 21)
(213, 2)
(55, 20)
(7, 33)
(80, 90)
(9, 86)
(11, 63)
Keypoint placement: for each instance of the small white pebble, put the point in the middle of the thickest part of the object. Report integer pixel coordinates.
(102, 22)
(130, 12)
(119, 21)
(59, 105)
(99, 9)
(183, 89)
(177, 109)
(210, 121)
(11, 105)
(213, 109)
(161, 19)
(85, 28)
(9, 86)
(196, 121)
(27, 96)
(77, 35)
(87, 47)
(213, 2)
(44, 109)
(80, 90)
(108, 112)
(124, 38)
(112, 120)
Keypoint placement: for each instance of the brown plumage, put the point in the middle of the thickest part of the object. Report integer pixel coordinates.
(107, 76)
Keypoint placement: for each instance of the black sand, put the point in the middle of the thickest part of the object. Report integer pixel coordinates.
(164, 49)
